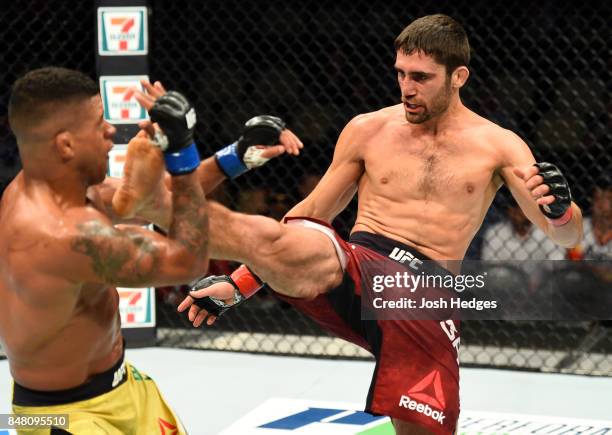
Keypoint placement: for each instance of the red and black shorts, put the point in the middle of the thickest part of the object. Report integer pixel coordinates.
(416, 378)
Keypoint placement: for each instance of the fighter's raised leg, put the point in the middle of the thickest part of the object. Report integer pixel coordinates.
(295, 260)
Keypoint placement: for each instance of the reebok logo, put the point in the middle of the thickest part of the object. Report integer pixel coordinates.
(402, 256)
(427, 390)
(407, 402)
(166, 428)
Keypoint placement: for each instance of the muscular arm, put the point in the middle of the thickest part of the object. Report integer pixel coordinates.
(516, 154)
(339, 184)
(92, 250)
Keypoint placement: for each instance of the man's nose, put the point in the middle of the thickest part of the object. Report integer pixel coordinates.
(408, 88)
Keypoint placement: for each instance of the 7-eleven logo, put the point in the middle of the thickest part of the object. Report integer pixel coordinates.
(120, 106)
(116, 161)
(124, 25)
(122, 31)
(426, 397)
(130, 301)
(120, 93)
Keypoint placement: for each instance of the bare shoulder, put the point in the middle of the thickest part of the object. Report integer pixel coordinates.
(506, 147)
(47, 230)
(501, 140)
(493, 132)
(361, 130)
(511, 147)
(370, 123)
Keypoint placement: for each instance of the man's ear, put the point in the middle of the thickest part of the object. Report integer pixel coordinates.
(459, 76)
(64, 145)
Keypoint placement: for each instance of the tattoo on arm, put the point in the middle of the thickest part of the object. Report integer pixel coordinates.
(189, 226)
(132, 258)
(112, 253)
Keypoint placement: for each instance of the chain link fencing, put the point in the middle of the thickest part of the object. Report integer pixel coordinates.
(540, 69)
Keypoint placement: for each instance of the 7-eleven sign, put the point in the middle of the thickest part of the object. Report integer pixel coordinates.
(122, 31)
(136, 307)
(120, 106)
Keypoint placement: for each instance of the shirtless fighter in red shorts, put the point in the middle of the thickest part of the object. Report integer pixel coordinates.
(426, 171)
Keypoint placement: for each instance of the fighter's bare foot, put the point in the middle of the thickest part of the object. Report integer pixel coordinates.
(143, 177)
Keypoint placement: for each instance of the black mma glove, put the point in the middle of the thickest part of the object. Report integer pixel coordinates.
(245, 284)
(177, 119)
(559, 188)
(239, 157)
(211, 304)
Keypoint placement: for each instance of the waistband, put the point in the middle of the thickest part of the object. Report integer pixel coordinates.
(99, 384)
(406, 255)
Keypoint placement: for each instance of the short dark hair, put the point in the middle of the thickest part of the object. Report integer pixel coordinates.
(32, 94)
(439, 36)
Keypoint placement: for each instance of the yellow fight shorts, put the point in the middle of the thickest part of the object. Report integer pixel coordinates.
(120, 401)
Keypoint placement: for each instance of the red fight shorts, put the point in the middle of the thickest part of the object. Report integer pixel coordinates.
(416, 378)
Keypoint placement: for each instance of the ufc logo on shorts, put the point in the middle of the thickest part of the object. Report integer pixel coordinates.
(118, 375)
(403, 256)
(408, 403)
